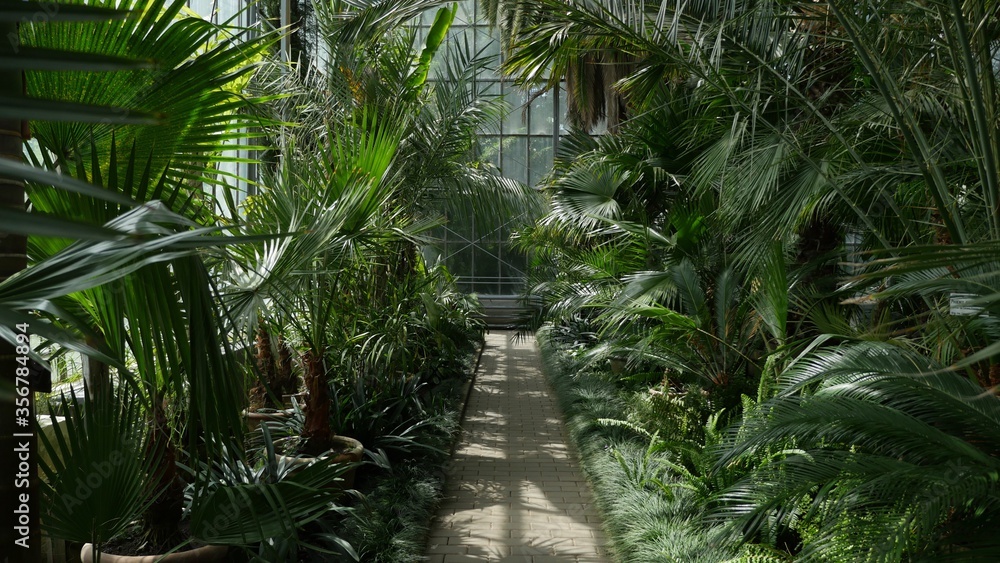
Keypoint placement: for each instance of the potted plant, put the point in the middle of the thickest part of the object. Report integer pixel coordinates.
(330, 204)
(275, 381)
(146, 295)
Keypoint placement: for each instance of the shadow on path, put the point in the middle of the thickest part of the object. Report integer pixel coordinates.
(515, 493)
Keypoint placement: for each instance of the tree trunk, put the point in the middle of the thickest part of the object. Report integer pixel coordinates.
(261, 392)
(162, 518)
(19, 493)
(317, 430)
(276, 376)
(97, 377)
(285, 384)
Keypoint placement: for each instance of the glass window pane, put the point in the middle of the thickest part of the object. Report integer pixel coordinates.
(202, 7)
(514, 123)
(461, 38)
(420, 36)
(540, 158)
(487, 46)
(487, 267)
(460, 260)
(228, 9)
(513, 158)
(489, 91)
(513, 265)
(489, 88)
(542, 119)
(466, 14)
(564, 118)
(489, 150)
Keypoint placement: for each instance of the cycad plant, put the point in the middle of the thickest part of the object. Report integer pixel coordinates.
(871, 452)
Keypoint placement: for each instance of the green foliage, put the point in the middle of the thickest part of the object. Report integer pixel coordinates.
(392, 523)
(266, 507)
(186, 87)
(800, 200)
(152, 294)
(888, 446)
(645, 497)
(95, 476)
(674, 415)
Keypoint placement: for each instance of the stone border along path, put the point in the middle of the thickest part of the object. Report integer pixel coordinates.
(515, 493)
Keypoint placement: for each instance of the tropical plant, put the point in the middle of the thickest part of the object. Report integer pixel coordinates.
(267, 507)
(884, 445)
(138, 297)
(15, 112)
(155, 319)
(100, 449)
(842, 175)
(359, 185)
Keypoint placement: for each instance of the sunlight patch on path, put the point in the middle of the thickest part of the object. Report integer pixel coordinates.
(515, 493)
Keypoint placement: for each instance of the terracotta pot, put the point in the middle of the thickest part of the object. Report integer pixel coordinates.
(300, 398)
(255, 419)
(345, 450)
(206, 554)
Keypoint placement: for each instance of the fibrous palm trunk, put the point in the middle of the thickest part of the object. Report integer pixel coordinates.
(317, 431)
(13, 258)
(97, 376)
(260, 393)
(162, 518)
(276, 377)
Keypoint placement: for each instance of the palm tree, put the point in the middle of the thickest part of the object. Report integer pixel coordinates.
(838, 123)
(376, 158)
(591, 69)
(890, 457)
(17, 110)
(334, 205)
(163, 316)
(173, 330)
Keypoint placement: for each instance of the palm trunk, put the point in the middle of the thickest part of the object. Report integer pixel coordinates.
(162, 518)
(13, 258)
(261, 392)
(276, 376)
(286, 377)
(97, 376)
(317, 431)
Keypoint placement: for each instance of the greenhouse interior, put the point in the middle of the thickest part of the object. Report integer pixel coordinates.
(571, 281)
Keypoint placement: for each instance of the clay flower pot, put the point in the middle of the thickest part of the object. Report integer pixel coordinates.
(344, 450)
(299, 398)
(206, 554)
(255, 419)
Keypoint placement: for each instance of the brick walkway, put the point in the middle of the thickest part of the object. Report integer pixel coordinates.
(515, 493)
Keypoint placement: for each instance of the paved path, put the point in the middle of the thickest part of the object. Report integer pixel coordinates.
(515, 493)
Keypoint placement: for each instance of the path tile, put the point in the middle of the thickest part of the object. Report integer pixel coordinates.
(515, 493)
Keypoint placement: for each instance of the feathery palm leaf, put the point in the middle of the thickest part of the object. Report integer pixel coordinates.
(883, 444)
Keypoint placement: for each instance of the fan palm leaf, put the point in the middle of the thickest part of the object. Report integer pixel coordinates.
(189, 80)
